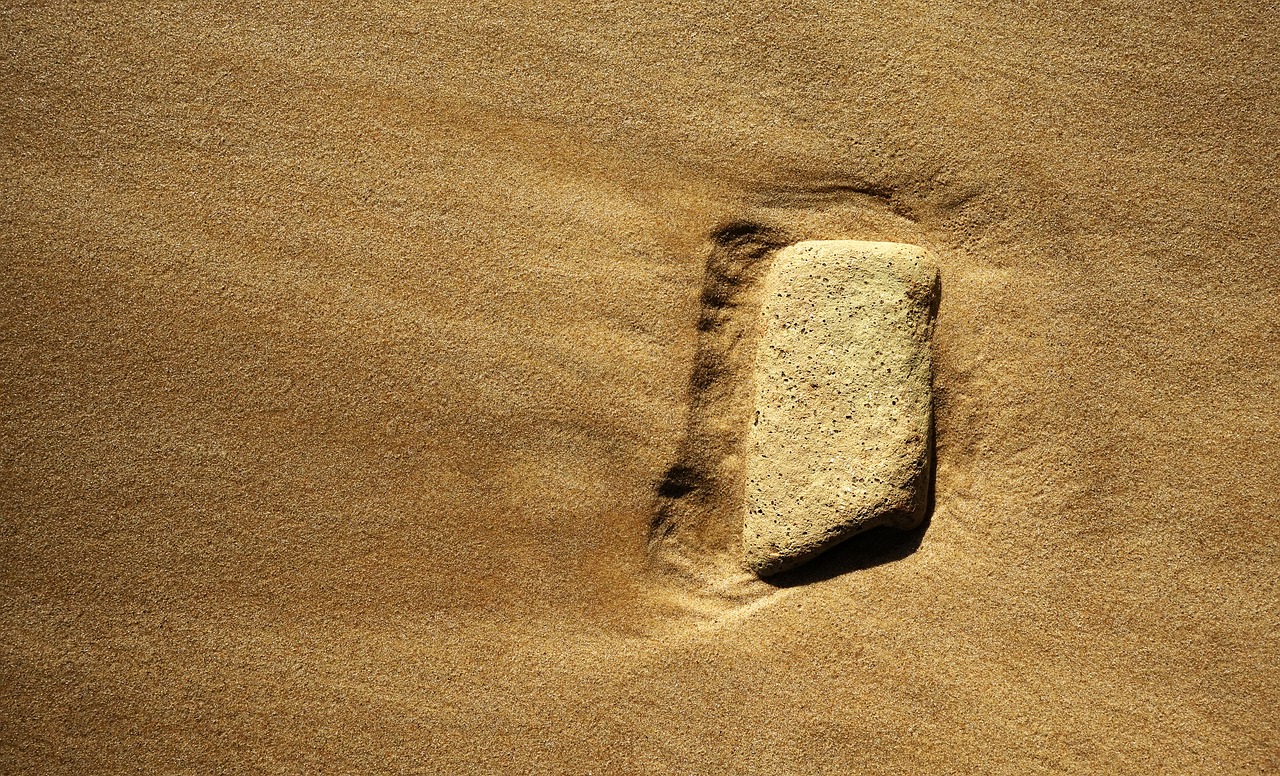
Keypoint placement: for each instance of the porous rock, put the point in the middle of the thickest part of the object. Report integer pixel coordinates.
(841, 437)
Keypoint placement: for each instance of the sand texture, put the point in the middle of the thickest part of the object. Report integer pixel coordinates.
(377, 387)
(840, 439)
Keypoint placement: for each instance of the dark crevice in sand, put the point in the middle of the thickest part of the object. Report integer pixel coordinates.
(703, 488)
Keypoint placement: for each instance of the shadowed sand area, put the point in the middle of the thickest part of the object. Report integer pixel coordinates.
(347, 351)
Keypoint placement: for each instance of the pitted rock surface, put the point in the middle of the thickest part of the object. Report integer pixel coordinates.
(841, 437)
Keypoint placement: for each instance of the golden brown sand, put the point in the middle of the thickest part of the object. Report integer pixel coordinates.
(344, 346)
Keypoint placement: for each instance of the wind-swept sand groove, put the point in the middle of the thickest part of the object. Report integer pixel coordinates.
(705, 484)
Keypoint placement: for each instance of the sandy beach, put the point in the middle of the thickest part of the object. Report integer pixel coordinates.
(346, 347)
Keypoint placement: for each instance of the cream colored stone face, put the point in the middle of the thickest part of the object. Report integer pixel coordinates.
(840, 440)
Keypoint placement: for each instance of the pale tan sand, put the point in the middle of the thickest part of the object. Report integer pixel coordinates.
(345, 345)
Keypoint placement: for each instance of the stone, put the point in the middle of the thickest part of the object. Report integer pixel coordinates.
(841, 439)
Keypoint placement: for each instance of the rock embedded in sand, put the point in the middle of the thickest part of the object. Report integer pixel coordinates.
(841, 437)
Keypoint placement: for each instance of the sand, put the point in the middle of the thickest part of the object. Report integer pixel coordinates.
(347, 349)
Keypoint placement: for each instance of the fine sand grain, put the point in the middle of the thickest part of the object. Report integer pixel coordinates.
(349, 354)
